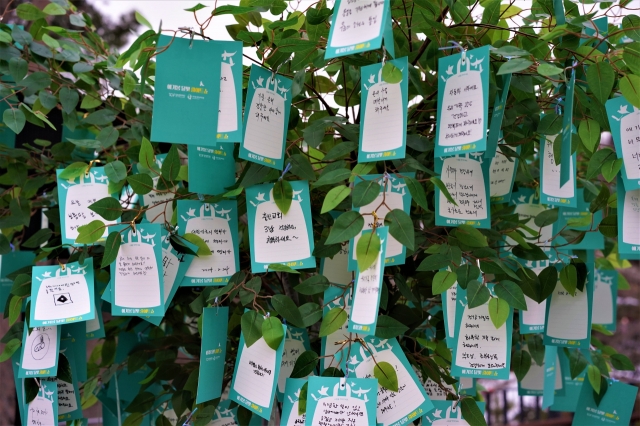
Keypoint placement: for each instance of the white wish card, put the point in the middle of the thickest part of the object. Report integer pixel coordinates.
(39, 356)
(533, 382)
(502, 174)
(255, 376)
(341, 401)
(137, 274)
(340, 298)
(62, 293)
(552, 192)
(217, 225)
(43, 409)
(628, 222)
(624, 120)
(296, 341)
(75, 196)
(230, 109)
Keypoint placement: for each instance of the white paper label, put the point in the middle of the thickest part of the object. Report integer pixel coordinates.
(464, 179)
(602, 309)
(265, 123)
(501, 174)
(160, 209)
(480, 344)
(256, 373)
(137, 281)
(568, 315)
(40, 349)
(228, 110)
(435, 392)
(630, 141)
(535, 313)
(40, 412)
(357, 21)
(452, 304)
(384, 116)
(170, 266)
(336, 269)
(66, 398)
(292, 350)
(294, 418)
(367, 293)
(551, 177)
(62, 296)
(631, 218)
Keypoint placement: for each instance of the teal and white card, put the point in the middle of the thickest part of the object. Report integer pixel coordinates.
(174, 266)
(579, 218)
(383, 133)
(402, 407)
(463, 103)
(255, 376)
(568, 400)
(447, 413)
(212, 352)
(217, 225)
(39, 354)
(73, 338)
(628, 221)
(159, 202)
(290, 416)
(230, 109)
(624, 120)
(10, 263)
(187, 91)
(553, 378)
(226, 416)
(95, 328)
(467, 179)
(394, 193)
(69, 407)
(551, 191)
(367, 289)
(495, 127)
(502, 174)
(43, 409)
(567, 170)
(532, 320)
(450, 304)
(75, 196)
(605, 299)
(334, 298)
(276, 237)
(296, 341)
(615, 408)
(211, 169)
(481, 350)
(266, 117)
(467, 386)
(62, 294)
(359, 27)
(341, 400)
(336, 269)
(535, 381)
(137, 275)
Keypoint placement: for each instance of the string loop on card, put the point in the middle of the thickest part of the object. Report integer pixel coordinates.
(13, 248)
(286, 169)
(384, 55)
(91, 163)
(186, 422)
(200, 197)
(458, 46)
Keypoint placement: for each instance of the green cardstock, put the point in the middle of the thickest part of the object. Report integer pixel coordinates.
(551, 191)
(340, 298)
(446, 413)
(75, 196)
(212, 353)
(255, 376)
(463, 103)
(10, 263)
(615, 408)
(480, 350)
(62, 294)
(275, 237)
(296, 342)
(566, 168)
(502, 174)
(290, 405)
(624, 120)
(211, 169)
(187, 91)
(359, 27)
(605, 299)
(266, 118)
(495, 128)
(579, 218)
(383, 133)
(341, 400)
(599, 30)
(69, 407)
(467, 179)
(628, 221)
(73, 337)
(553, 377)
(217, 225)
(39, 353)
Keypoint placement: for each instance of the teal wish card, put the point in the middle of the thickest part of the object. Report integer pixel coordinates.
(296, 341)
(567, 170)
(276, 237)
(367, 289)
(359, 26)
(335, 298)
(495, 127)
(217, 225)
(137, 284)
(255, 376)
(383, 132)
(393, 195)
(43, 409)
(128, 384)
(62, 294)
(615, 408)
(553, 383)
(447, 413)
(174, 266)
(10, 263)
(75, 196)
(481, 350)
(624, 120)
(211, 169)
(230, 104)
(502, 174)
(463, 102)
(411, 400)
(39, 354)
(341, 400)
(290, 407)
(69, 407)
(73, 338)
(552, 192)
(605, 299)
(227, 416)
(212, 353)
(266, 118)
(467, 180)
(579, 218)
(568, 400)
(187, 91)
(628, 221)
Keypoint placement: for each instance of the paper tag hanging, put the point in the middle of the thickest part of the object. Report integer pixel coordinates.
(43, 409)
(624, 120)
(290, 406)
(615, 408)
(334, 297)
(296, 342)
(174, 266)
(532, 320)
(69, 407)
(212, 353)
(628, 222)
(502, 174)
(276, 237)
(448, 413)
(551, 191)
(358, 26)
(211, 169)
(95, 328)
(495, 128)
(534, 382)
(39, 355)
(567, 171)
(553, 378)
(463, 102)
(217, 225)
(450, 304)
(230, 109)
(336, 269)
(73, 338)
(383, 134)
(467, 386)
(568, 400)
(75, 197)
(266, 118)
(579, 218)
(605, 299)
(338, 400)
(158, 202)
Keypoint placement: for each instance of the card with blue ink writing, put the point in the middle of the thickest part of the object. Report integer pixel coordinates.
(266, 118)
(211, 169)
(255, 375)
(495, 127)
(276, 237)
(137, 278)
(296, 342)
(410, 402)
(579, 218)
(628, 221)
(367, 289)
(568, 400)
(341, 400)
(230, 109)
(393, 195)
(39, 355)
(217, 225)
(188, 75)
(358, 26)
(291, 415)
(212, 352)
(9, 263)
(502, 174)
(605, 299)
(383, 133)
(447, 413)
(551, 191)
(43, 409)
(615, 408)
(624, 120)
(467, 179)
(463, 99)
(335, 298)
(62, 294)
(553, 378)
(567, 170)
(75, 196)
(69, 407)
(481, 349)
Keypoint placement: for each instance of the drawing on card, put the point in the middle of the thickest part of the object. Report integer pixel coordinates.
(631, 217)
(464, 178)
(265, 126)
(137, 279)
(357, 21)
(383, 126)
(629, 140)
(40, 346)
(64, 295)
(345, 394)
(39, 351)
(568, 314)
(551, 173)
(256, 373)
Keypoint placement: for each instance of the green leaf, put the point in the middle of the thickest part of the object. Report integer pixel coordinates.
(365, 192)
(491, 13)
(101, 117)
(471, 412)
(68, 99)
(548, 280)
(589, 132)
(54, 9)
(548, 70)
(386, 375)
(536, 348)
(629, 86)
(600, 78)
(313, 285)
(301, 167)
(521, 363)
(142, 20)
(111, 247)
(401, 227)
(577, 363)
(146, 158)
(116, 171)
(434, 262)
(477, 294)
(611, 168)
(18, 67)
(441, 186)
(593, 374)
(21, 285)
(64, 369)
(498, 311)
(417, 192)
(203, 248)
(140, 183)
(389, 328)
(597, 160)
(604, 385)
(91, 232)
(514, 66)
(196, 8)
(272, 332)
(287, 309)
(282, 195)
(346, 226)
(29, 12)
(39, 238)
(546, 218)
(511, 293)
(129, 83)
(391, 74)
(6, 38)
(332, 321)
(470, 236)
(332, 177)
(15, 307)
(251, 325)
(109, 208)
(467, 273)
(367, 250)
(631, 26)
(311, 313)
(141, 403)
(335, 197)
(10, 348)
(609, 226)
(14, 119)
(279, 267)
(305, 365)
(620, 362)
(569, 278)
(171, 164)
(442, 281)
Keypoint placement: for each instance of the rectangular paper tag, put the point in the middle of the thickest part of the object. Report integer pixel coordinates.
(552, 192)
(212, 353)
(495, 128)
(624, 120)
(296, 342)
(340, 298)
(211, 169)
(579, 218)
(291, 405)
(628, 222)
(338, 400)
(502, 174)
(39, 354)
(230, 110)
(615, 408)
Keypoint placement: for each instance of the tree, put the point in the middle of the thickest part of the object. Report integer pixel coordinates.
(106, 101)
